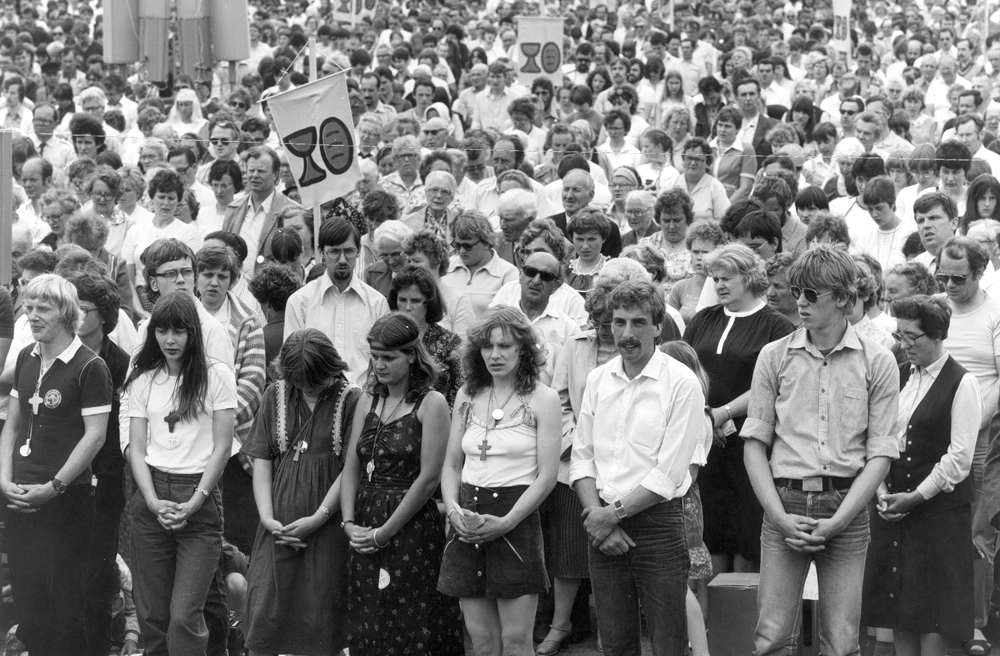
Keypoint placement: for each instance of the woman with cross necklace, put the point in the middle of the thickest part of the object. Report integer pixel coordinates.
(502, 462)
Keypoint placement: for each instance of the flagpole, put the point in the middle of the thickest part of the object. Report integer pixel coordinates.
(317, 211)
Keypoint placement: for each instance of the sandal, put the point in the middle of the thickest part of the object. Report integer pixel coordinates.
(977, 647)
(553, 642)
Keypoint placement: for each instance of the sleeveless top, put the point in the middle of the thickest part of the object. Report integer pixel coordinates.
(510, 447)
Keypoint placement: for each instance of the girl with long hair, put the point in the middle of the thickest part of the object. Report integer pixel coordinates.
(297, 444)
(983, 202)
(501, 463)
(391, 472)
(181, 409)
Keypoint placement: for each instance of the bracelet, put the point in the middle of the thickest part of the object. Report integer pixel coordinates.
(729, 413)
(203, 491)
(344, 523)
(448, 516)
(375, 540)
(325, 510)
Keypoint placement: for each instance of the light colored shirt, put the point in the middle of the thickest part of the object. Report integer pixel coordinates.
(565, 299)
(974, 341)
(708, 197)
(490, 110)
(886, 246)
(966, 415)
(639, 432)
(482, 286)
(141, 235)
(252, 226)
(824, 415)
(345, 317)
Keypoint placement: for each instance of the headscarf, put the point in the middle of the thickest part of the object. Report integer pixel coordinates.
(186, 95)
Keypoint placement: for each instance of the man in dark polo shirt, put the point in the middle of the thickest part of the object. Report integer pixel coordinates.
(55, 427)
(99, 302)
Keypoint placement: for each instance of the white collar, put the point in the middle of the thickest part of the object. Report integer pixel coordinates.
(68, 353)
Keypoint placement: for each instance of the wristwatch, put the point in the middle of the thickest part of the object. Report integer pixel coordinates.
(58, 485)
(620, 510)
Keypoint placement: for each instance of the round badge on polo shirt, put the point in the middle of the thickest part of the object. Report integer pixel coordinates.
(52, 399)
(260, 259)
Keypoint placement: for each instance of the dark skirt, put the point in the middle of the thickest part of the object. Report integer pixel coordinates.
(918, 576)
(733, 516)
(565, 537)
(511, 566)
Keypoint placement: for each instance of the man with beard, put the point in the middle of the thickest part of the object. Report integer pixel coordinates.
(338, 303)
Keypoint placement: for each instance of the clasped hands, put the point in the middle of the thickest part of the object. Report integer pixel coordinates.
(294, 534)
(26, 498)
(604, 532)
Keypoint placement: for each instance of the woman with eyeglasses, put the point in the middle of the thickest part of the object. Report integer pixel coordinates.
(388, 240)
(677, 124)
(477, 270)
(165, 190)
(708, 196)
(131, 188)
(917, 582)
(728, 338)
(239, 104)
(105, 189)
(619, 153)
(624, 180)
(923, 166)
(57, 206)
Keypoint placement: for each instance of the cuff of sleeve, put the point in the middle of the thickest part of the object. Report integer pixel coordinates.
(14, 394)
(132, 635)
(755, 429)
(700, 457)
(885, 446)
(97, 410)
(928, 488)
(580, 470)
(659, 483)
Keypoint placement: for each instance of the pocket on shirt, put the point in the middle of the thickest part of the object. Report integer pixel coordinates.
(648, 428)
(854, 409)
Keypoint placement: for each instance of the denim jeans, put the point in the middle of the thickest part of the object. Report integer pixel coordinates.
(653, 573)
(172, 570)
(840, 567)
(48, 552)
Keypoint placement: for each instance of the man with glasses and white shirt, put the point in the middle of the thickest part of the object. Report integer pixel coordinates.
(338, 303)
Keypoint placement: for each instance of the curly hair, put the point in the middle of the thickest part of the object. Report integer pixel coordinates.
(547, 231)
(672, 198)
(473, 224)
(587, 220)
(381, 204)
(87, 232)
(737, 259)
(917, 277)
(166, 181)
(108, 176)
(273, 284)
(513, 324)
(431, 245)
(704, 229)
(132, 178)
(398, 331)
(103, 293)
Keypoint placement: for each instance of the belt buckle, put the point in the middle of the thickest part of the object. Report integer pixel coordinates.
(814, 484)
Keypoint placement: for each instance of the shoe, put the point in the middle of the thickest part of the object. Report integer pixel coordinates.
(553, 641)
(977, 647)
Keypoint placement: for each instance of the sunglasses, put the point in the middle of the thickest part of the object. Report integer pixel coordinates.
(238, 105)
(546, 276)
(459, 246)
(811, 294)
(958, 281)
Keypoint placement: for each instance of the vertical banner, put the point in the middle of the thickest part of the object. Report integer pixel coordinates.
(841, 40)
(539, 49)
(316, 129)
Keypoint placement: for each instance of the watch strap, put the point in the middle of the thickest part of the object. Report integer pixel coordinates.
(58, 485)
(620, 510)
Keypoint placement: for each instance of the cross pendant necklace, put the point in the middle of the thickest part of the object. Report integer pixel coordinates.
(370, 467)
(299, 448)
(497, 415)
(35, 402)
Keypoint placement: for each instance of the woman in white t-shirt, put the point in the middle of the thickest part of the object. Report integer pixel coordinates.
(181, 409)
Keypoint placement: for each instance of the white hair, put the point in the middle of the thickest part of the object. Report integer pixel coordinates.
(521, 201)
(395, 230)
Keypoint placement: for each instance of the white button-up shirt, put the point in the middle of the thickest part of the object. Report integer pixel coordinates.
(482, 286)
(252, 226)
(642, 431)
(345, 317)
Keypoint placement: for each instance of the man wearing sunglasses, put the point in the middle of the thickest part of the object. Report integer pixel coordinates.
(223, 138)
(824, 404)
(540, 277)
(974, 330)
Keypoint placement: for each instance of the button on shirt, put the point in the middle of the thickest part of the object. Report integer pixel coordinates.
(642, 431)
(345, 317)
(252, 226)
(966, 409)
(824, 416)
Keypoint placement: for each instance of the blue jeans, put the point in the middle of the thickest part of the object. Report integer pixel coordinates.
(172, 570)
(653, 573)
(841, 570)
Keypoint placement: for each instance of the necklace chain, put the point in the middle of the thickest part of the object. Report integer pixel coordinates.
(378, 432)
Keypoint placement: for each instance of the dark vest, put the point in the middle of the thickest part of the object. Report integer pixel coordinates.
(928, 435)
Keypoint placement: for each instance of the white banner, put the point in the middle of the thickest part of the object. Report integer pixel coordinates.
(539, 49)
(316, 129)
(841, 40)
(348, 11)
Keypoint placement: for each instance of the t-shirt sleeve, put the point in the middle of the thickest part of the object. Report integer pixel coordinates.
(96, 388)
(6, 315)
(138, 396)
(14, 394)
(221, 388)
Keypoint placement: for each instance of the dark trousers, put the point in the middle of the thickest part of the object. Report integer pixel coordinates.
(653, 573)
(102, 583)
(48, 554)
(172, 570)
(242, 519)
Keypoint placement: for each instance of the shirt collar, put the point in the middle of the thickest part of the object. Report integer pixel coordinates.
(736, 145)
(265, 206)
(326, 283)
(933, 369)
(746, 313)
(68, 353)
(800, 340)
(651, 370)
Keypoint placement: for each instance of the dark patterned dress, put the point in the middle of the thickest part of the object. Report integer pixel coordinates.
(445, 346)
(393, 606)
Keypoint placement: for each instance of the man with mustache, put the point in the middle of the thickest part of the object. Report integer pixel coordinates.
(642, 416)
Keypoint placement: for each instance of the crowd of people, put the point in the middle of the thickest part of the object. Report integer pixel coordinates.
(719, 298)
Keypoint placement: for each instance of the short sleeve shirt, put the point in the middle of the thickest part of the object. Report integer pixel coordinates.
(77, 385)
